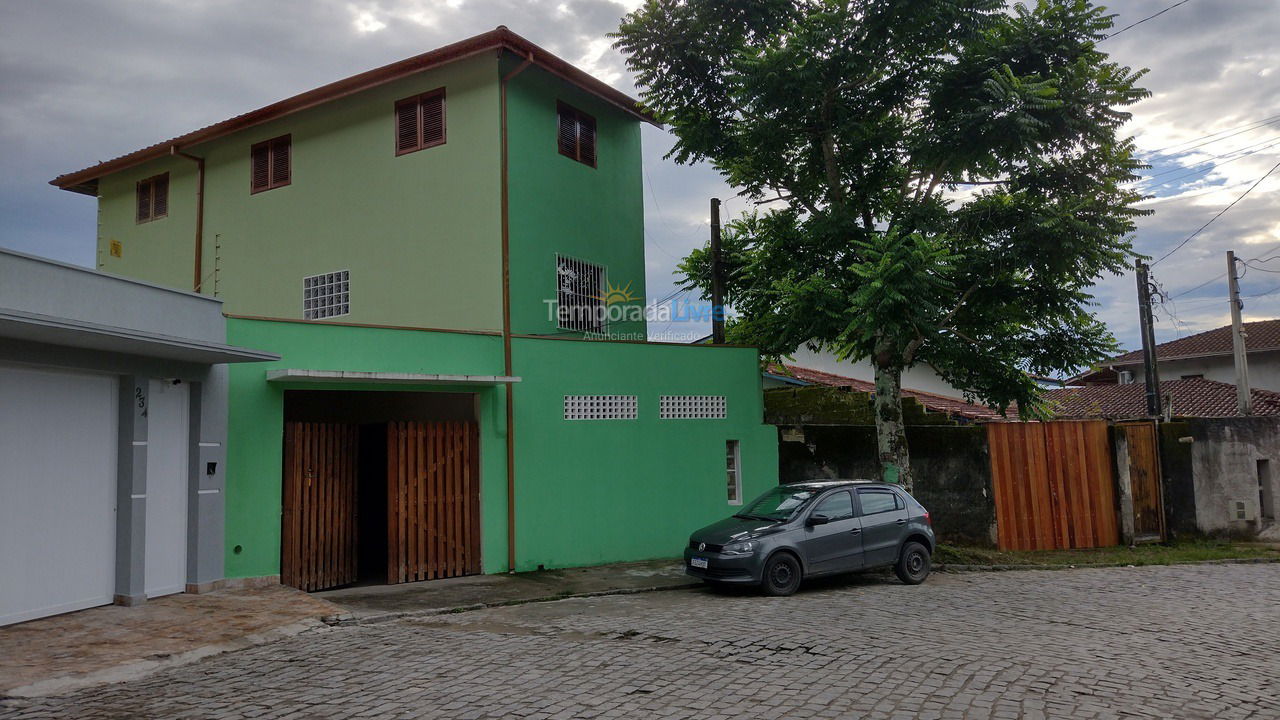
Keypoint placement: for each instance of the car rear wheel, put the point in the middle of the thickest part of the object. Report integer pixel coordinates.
(781, 575)
(913, 564)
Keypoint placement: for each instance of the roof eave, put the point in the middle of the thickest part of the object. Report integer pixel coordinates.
(85, 181)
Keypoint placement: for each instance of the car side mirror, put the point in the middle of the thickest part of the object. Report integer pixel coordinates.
(817, 520)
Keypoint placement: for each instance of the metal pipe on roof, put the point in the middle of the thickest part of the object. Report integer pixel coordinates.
(199, 261)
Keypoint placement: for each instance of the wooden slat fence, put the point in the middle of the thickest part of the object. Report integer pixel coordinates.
(1144, 479)
(1054, 485)
(318, 522)
(433, 500)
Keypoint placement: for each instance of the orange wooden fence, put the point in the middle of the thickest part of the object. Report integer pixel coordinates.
(433, 500)
(1054, 485)
(318, 522)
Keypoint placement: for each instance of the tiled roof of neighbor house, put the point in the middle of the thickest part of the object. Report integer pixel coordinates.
(1193, 397)
(500, 38)
(1261, 335)
(930, 401)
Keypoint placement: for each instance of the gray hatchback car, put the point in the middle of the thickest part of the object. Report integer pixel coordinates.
(809, 529)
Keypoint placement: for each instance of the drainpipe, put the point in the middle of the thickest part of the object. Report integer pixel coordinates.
(199, 161)
(506, 318)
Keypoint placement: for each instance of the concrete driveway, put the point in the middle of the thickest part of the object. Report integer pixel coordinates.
(1159, 642)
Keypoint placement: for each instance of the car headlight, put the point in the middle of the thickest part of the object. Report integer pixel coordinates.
(745, 547)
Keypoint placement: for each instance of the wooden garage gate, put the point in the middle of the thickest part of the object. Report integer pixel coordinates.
(318, 533)
(432, 509)
(1054, 485)
(433, 501)
(1144, 480)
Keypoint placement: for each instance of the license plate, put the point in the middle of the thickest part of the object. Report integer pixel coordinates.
(698, 563)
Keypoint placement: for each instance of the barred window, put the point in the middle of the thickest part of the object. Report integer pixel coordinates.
(580, 290)
(600, 407)
(691, 407)
(326, 295)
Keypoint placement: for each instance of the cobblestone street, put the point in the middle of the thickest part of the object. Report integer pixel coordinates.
(1185, 641)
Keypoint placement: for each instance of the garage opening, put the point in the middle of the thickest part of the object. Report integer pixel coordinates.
(379, 487)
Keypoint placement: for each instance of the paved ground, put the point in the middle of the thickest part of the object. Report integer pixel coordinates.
(79, 648)
(1182, 641)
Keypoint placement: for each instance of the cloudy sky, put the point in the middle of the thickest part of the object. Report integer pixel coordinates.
(86, 81)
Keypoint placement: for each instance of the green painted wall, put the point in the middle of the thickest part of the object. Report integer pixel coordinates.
(559, 205)
(420, 233)
(596, 491)
(256, 414)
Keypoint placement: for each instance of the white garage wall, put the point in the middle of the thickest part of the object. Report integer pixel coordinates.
(57, 491)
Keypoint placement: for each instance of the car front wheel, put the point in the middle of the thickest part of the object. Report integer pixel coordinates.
(913, 564)
(781, 575)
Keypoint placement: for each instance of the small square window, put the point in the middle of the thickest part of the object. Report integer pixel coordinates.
(153, 198)
(325, 295)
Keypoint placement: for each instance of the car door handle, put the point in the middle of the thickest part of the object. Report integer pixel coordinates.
(900, 522)
(856, 531)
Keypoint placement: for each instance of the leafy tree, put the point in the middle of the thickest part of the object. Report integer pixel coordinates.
(944, 179)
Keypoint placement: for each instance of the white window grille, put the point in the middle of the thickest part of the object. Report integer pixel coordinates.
(580, 295)
(326, 295)
(600, 407)
(691, 407)
(733, 463)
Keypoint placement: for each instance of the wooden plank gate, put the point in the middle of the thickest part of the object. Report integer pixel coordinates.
(1054, 485)
(433, 500)
(318, 522)
(1144, 480)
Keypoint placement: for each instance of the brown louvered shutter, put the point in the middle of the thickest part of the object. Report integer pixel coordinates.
(406, 126)
(568, 140)
(144, 201)
(160, 196)
(280, 168)
(432, 119)
(261, 158)
(587, 140)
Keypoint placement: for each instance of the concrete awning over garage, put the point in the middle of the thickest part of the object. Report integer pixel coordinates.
(65, 332)
(396, 378)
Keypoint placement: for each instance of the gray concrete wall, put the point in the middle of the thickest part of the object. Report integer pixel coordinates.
(1225, 455)
(950, 465)
(47, 287)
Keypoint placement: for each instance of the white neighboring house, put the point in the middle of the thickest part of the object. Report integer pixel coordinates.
(1207, 355)
(920, 377)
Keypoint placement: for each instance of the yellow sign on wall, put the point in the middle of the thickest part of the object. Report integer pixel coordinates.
(117, 250)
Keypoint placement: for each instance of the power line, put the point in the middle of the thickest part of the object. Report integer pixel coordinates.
(1251, 125)
(1240, 151)
(1203, 171)
(1149, 17)
(1220, 214)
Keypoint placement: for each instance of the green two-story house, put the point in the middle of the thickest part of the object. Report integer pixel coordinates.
(447, 254)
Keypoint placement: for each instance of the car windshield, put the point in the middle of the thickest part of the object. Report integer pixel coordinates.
(779, 503)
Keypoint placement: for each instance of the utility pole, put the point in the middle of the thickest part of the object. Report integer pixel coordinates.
(1243, 398)
(1145, 291)
(717, 277)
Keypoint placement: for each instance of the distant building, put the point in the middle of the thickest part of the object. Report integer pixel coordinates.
(1207, 355)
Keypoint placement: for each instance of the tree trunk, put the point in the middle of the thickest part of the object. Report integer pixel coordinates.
(891, 435)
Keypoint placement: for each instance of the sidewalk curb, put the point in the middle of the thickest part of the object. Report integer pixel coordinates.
(959, 568)
(430, 612)
(137, 669)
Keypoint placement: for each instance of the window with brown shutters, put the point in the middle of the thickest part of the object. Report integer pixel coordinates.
(153, 198)
(577, 134)
(420, 122)
(271, 164)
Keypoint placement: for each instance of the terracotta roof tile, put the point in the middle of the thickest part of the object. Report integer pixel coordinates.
(1193, 397)
(1262, 335)
(931, 402)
